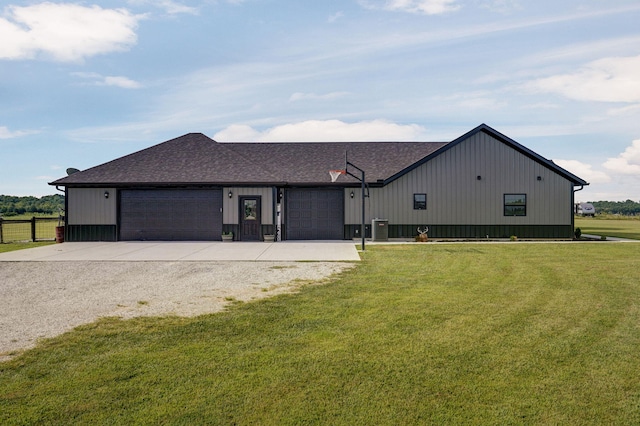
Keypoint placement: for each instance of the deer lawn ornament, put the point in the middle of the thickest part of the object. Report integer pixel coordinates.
(422, 235)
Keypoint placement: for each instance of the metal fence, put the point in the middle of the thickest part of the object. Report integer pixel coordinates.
(34, 229)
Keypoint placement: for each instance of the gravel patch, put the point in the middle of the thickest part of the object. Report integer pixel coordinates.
(45, 299)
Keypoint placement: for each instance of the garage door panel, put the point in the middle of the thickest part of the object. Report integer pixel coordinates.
(314, 214)
(171, 215)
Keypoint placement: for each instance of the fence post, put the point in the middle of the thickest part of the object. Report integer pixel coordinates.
(33, 229)
(1, 239)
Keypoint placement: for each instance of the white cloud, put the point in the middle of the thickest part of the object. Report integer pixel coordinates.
(624, 111)
(66, 32)
(299, 96)
(482, 100)
(116, 81)
(333, 18)
(324, 131)
(615, 79)
(502, 6)
(628, 162)
(122, 82)
(584, 171)
(427, 7)
(541, 106)
(171, 7)
(5, 133)
(238, 133)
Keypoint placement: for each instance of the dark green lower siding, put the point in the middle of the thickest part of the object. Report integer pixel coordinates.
(353, 231)
(470, 231)
(235, 229)
(74, 233)
(268, 229)
(109, 232)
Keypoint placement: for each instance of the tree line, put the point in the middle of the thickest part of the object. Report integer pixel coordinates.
(625, 208)
(13, 206)
(53, 204)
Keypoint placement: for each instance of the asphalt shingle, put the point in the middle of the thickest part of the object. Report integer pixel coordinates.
(197, 159)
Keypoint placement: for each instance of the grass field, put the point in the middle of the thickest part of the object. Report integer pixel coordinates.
(21, 246)
(610, 226)
(435, 333)
(45, 230)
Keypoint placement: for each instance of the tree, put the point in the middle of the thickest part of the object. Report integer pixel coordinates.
(49, 204)
(626, 208)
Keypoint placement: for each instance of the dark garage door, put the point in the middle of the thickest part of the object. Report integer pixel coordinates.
(314, 214)
(171, 215)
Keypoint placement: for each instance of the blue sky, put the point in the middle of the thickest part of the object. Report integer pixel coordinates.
(83, 82)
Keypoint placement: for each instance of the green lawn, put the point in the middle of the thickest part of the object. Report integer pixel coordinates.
(45, 229)
(21, 246)
(610, 227)
(433, 333)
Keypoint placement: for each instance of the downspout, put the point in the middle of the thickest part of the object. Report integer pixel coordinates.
(274, 211)
(573, 200)
(573, 207)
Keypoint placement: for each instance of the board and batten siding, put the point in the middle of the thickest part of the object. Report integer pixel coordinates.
(88, 206)
(230, 206)
(455, 196)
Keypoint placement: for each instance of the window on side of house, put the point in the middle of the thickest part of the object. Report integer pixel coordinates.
(419, 201)
(515, 204)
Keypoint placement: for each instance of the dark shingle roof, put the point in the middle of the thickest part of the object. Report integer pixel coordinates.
(196, 159)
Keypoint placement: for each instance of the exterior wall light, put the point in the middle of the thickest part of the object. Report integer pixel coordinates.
(352, 194)
(539, 178)
(106, 194)
(230, 194)
(479, 177)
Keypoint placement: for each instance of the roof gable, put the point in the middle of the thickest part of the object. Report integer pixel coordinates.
(195, 159)
(526, 151)
(502, 138)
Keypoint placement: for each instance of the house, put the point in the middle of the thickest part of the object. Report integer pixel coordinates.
(482, 184)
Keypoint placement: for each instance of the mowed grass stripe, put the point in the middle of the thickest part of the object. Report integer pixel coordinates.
(610, 226)
(436, 333)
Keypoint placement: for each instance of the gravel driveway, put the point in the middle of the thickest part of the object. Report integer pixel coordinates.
(45, 299)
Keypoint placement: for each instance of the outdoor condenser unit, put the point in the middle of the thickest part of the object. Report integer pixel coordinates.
(380, 230)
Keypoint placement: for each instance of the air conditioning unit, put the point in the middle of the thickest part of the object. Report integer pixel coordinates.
(380, 230)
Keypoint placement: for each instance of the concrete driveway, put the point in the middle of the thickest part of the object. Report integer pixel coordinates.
(189, 251)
